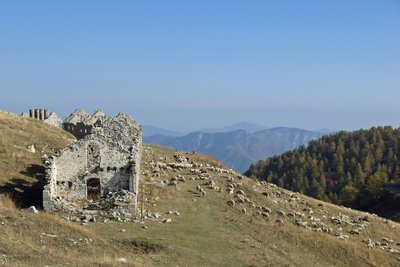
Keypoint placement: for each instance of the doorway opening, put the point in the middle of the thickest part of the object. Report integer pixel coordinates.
(93, 188)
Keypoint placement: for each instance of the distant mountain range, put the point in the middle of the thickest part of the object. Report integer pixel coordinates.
(244, 125)
(238, 148)
(149, 130)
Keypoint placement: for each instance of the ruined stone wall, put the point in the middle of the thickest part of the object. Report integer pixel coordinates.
(107, 160)
(137, 159)
(80, 123)
(92, 158)
(53, 119)
(39, 114)
(44, 115)
(79, 130)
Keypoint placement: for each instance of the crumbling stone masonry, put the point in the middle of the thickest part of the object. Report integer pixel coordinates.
(44, 115)
(80, 123)
(103, 161)
(39, 114)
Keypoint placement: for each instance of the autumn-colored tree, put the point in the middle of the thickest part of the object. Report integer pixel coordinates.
(349, 195)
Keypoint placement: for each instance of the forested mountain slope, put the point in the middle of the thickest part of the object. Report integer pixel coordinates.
(349, 168)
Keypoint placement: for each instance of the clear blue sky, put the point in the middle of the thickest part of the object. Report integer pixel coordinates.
(186, 65)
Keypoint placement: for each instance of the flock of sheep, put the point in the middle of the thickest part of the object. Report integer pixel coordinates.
(242, 193)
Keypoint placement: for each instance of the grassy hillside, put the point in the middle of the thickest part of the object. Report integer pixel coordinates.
(208, 232)
(29, 239)
(20, 170)
(213, 233)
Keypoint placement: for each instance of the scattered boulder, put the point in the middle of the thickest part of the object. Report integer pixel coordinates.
(31, 209)
(167, 220)
(173, 212)
(121, 260)
(31, 148)
(3, 259)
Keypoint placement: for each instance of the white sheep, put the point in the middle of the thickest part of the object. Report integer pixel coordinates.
(231, 202)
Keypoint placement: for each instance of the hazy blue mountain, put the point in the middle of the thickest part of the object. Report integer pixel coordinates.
(243, 125)
(326, 131)
(238, 149)
(149, 130)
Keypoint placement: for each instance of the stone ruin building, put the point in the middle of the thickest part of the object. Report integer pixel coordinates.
(101, 170)
(80, 124)
(44, 115)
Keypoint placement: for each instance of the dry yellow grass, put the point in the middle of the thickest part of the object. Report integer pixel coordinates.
(6, 202)
(29, 239)
(21, 172)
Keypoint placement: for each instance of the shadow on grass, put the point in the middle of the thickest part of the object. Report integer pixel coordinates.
(194, 193)
(143, 247)
(23, 193)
